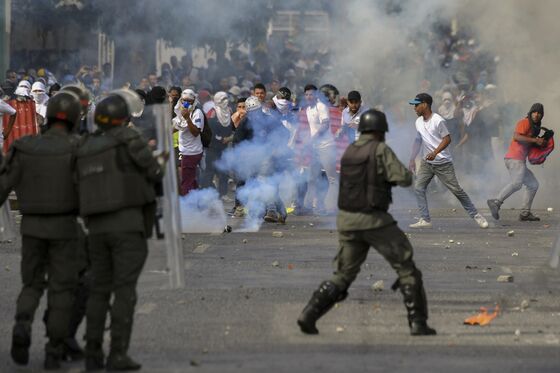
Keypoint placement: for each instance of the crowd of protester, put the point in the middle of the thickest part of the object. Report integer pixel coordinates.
(320, 121)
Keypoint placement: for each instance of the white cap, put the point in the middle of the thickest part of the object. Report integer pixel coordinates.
(252, 103)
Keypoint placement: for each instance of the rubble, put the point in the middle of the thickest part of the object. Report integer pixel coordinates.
(549, 209)
(511, 233)
(245, 240)
(275, 263)
(515, 253)
(339, 329)
(277, 234)
(505, 278)
(378, 285)
(524, 304)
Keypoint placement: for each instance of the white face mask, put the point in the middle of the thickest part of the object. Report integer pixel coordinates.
(39, 97)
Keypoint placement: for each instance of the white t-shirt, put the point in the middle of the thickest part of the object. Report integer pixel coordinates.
(189, 144)
(315, 115)
(432, 132)
(5, 108)
(352, 120)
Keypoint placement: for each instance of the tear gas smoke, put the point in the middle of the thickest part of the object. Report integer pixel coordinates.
(202, 211)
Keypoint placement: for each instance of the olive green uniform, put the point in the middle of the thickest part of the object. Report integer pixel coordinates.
(40, 169)
(115, 207)
(359, 231)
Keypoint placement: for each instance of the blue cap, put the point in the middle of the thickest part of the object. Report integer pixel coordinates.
(420, 98)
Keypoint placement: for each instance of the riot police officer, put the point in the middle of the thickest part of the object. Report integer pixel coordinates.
(40, 169)
(116, 175)
(369, 169)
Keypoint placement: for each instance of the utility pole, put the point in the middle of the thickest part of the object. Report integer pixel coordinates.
(5, 29)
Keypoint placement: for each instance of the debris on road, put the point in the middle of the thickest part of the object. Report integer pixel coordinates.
(378, 285)
(311, 224)
(524, 304)
(339, 329)
(227, 229)
(517, 334)
(451, 241)
(275, 263)
(290, 266)
(483, 318)
(511, 233)
(550, 209)
(515, 253)
(201, 248)
(245, 240)
(277, 234)
(505, 278)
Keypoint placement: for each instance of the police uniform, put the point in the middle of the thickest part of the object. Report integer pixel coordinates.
(363, 222)
(40, 169)
(116, 175)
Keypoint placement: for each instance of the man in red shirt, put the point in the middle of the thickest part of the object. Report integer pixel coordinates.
(525, 136)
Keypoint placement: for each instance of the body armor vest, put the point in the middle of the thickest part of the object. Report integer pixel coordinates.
(47, 185)
(108, 179)
(362, 189)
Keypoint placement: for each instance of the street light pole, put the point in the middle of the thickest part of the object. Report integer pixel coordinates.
(5, 29)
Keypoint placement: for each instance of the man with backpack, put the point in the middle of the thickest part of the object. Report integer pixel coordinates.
(190, 122)
(369, 169)
(525, 137)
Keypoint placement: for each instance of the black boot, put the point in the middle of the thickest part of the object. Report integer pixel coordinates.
(321, 302)
(53, 355)
(417, 307)
(21, 340)
(119, 361)
(95, 359)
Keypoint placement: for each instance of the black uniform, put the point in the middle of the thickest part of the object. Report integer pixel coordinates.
(40, 169)
(116, 175)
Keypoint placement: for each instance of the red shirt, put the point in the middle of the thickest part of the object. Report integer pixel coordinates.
(519, 150)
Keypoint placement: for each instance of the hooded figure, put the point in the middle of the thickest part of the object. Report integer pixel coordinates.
(538, 108)
(223, 111)
(23, 89)
(447, 108)
(40, 96)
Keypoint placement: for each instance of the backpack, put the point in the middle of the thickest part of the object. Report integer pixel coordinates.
(361, 190)
(538, 154)
(206, 134)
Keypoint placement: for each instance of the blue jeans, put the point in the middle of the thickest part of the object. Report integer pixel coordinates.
(446, 174)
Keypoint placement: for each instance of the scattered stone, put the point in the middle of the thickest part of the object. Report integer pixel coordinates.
(453, 210)
(378, 285)
(194, 363)
(293, 227)
(546, 226)
(505, 278)
(7, 268)
(275, 263)
(517, 333)
(205, 351)
(277, 234)
(201, 248)
(511, 233)
(447, 247)
(311, 224)
(245, 240)
(339, 329)
(458, 243)
(551, 339)
(524, 304)
(549, 209)
(451, 241)
(515, 253)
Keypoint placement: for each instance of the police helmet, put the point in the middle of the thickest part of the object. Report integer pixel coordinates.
(330, 92)
(82, 93)
(117, 108)
(64, 107)
(373, 120)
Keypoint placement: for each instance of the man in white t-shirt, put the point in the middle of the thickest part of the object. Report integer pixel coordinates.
(6, 109)
(190, 123)
(433, 139)
(323, 150)
(351, 117)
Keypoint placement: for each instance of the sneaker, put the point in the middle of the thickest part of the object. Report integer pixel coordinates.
(528, 216)
(239, 212)
(494, 206)
(271, 217)
(421, 224)
(481, 221)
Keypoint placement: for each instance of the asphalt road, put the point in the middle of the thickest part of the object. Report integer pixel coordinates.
(245, 290)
